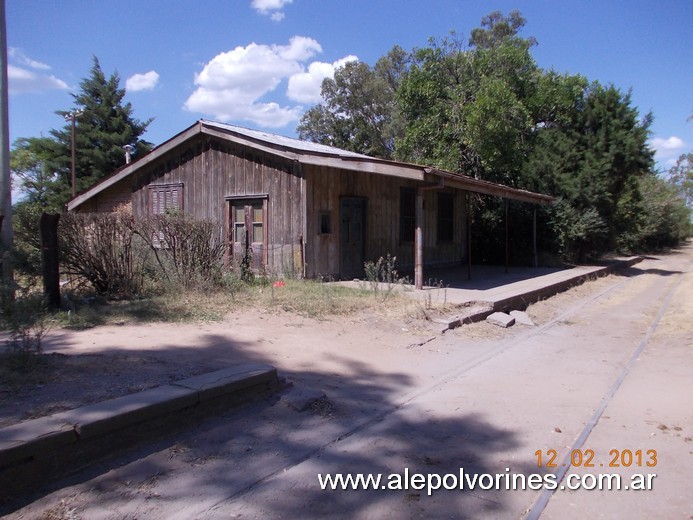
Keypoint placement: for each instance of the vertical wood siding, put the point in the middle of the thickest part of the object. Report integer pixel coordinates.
(211, 171)
(325, 186)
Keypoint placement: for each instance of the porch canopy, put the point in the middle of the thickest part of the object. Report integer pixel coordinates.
(438, 179)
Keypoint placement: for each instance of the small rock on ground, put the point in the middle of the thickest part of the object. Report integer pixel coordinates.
(501, 319)
(522, 318)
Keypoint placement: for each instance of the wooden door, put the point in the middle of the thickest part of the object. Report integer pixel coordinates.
(248, 232)
(352, 236)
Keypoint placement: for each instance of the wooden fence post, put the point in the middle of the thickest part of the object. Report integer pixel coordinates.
(48, 227)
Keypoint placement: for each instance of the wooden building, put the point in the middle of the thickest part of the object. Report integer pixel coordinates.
(298, 206)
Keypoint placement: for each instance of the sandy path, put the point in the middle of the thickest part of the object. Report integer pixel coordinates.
(458, 401)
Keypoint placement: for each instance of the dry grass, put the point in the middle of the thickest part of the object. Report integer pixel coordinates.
(544, 311)
(304, 297)
(676, 321)
(64, 510)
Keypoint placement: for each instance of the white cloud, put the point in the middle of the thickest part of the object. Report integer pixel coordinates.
(146, 81)
(22, 80)
(672, 143)
(231, 85)
(270, 5)
(667, 150)
(271, 8)
(18, 56)
(28, 75)
(304, 87)
(300, 48)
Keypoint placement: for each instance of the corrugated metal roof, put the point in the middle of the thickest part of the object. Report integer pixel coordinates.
(316, 154)
(283, 141)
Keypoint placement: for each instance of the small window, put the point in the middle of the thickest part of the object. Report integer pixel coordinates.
(446, 207)
(239, 223)
(165, 198)
(324, 223)
(252, 214)
(407, 214)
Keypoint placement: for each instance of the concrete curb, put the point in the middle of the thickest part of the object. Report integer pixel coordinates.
(520, 300)
(518, 296)
(35, 451)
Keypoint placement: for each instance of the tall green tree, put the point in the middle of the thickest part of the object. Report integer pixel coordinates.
(464, 106)
(359, 111)
(667, 217)
(593, 161)
(428, 100)
(104, 127)
(30, 161)
(681, 177)
(497, 29)
(42, 165)
(483, 107)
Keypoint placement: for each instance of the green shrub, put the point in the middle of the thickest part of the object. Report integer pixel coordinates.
(382, 275)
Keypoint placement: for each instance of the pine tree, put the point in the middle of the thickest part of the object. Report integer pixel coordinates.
(103, 128)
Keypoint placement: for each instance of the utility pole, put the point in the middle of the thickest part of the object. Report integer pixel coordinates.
(5, 174)
(71, 117)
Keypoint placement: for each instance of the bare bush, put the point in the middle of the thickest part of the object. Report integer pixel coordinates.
(116, 252)
(104, 249)
(187, 251)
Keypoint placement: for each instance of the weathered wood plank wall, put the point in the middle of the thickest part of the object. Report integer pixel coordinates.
(212, 171)
(107, 201)
(325, 186)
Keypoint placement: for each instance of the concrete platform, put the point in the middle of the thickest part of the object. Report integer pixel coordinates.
(499, 295)
(492, 289)
(37, 450)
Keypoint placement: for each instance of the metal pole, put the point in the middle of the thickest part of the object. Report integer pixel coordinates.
(534, 236)
(469, 236)
(506, 237)
(418, 241)
(73, 156)
(72, 148)
(72, 118)
(5, 174)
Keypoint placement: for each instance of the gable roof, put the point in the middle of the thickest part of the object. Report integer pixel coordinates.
(305, 152)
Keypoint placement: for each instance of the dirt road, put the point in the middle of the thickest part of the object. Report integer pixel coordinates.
(605, 379)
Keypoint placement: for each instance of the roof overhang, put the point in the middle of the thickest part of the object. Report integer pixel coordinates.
(464, 182)
(129, 169)
(310, 154)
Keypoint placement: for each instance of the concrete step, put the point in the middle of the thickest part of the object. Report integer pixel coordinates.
(35, 451)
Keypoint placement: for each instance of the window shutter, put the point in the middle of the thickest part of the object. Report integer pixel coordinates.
(162, 198)
(165, 197)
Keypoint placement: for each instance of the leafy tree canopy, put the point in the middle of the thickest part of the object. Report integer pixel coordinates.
(483, 107)
(359, 112)
(30, 163)
(681, 177)
(104, 126)
(497, 29)
(465, 109)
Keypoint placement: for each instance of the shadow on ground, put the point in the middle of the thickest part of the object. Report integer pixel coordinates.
(483, 277)
(263, 460)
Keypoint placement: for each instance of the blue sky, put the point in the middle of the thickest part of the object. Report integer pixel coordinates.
(259, 63)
